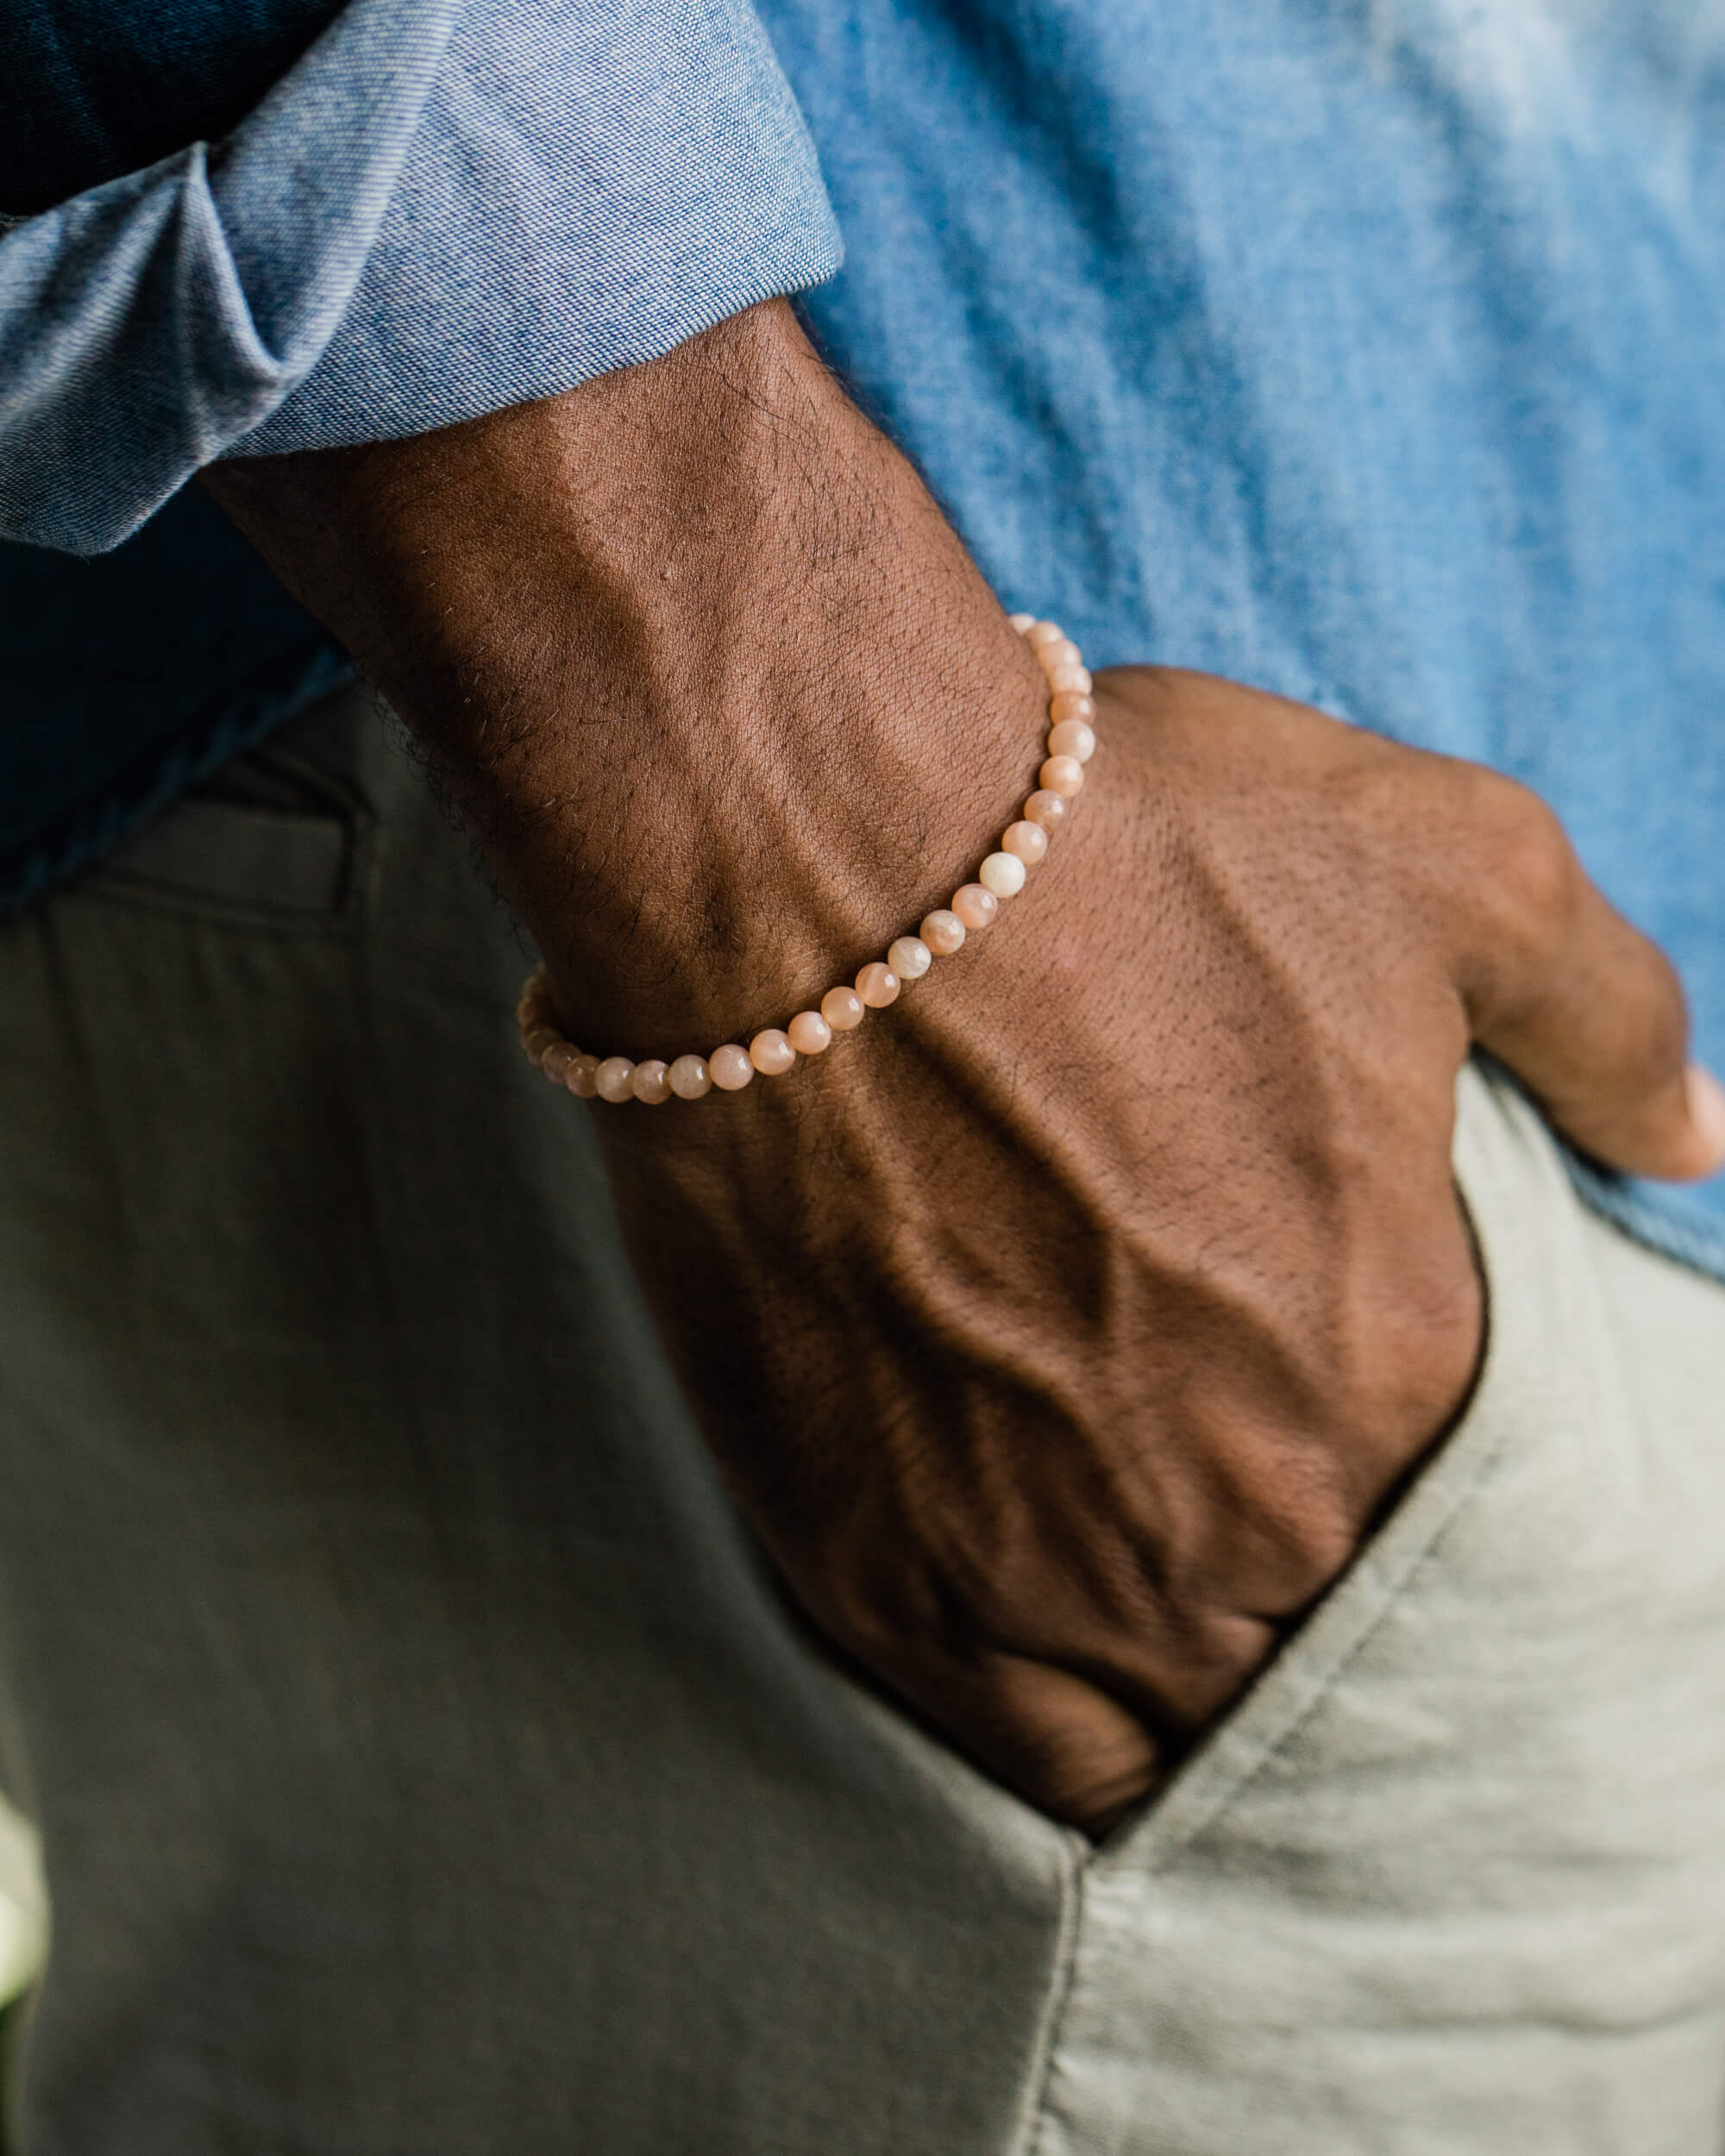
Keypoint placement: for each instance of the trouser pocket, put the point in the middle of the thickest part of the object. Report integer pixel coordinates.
(276, 840)
(1452, 1876)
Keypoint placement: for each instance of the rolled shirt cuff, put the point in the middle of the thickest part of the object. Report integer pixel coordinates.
(441, 210)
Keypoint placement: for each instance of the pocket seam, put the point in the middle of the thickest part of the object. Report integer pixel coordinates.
(1315, 1660)
(339, 822)
(1153, 1845)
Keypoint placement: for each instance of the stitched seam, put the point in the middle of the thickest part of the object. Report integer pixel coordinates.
(1395, 1587)
(1393, 1582)
(142, 894)
(1031, 2138)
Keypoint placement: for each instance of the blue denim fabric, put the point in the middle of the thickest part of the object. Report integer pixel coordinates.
(1366, 353)
(126, 678)
(439, 209)
(94, 88)
(1370, 355)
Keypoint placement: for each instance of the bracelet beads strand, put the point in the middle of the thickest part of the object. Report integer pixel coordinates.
(1071, 744)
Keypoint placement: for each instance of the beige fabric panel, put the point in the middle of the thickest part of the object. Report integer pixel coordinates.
(1453, 1879)
(425, 1761)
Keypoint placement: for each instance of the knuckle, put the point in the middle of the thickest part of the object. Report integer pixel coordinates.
(1666, 1039)
(1433, 1361)
(1527, 874)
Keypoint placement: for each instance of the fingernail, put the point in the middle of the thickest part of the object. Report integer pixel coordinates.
(1707, 1110)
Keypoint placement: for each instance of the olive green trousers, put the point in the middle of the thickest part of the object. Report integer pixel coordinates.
(426, 1766)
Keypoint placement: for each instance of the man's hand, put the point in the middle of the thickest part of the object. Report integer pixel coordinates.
(1062, 1331)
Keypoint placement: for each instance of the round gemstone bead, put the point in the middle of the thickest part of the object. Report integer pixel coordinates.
(1003, 874)
(1071, 744)
(976, 906)
(942, 931)
(809, 1033)
(771, 1052)
(729, 1067)
(842, 1008)
(877, 984)
(909, 957)
(1072, 737)
(652, 1081)
(1069, 703)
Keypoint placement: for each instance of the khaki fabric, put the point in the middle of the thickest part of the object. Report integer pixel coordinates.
(1453, 1879)
(424, 1762)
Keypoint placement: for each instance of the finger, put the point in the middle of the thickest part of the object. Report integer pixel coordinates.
(1055, 1739)
(1580, 1006)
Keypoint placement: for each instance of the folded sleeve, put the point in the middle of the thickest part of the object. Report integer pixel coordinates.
(439, 209)
(94, 88)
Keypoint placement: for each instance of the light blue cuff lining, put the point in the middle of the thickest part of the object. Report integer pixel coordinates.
(441, 210)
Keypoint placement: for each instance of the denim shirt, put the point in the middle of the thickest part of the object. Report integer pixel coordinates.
(1367, 355)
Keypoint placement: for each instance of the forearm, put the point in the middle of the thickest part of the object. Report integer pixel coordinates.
(730, 708)
(724, 698)
(1062, 1331)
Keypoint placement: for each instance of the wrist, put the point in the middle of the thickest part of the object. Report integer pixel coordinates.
(696, 653)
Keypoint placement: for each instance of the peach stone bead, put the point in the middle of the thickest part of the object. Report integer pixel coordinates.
(1069, 680)
(976, 906)
(809, 1033)
(1061, 774)
(690, 1077)
(729, 1067)
(1003, 874)
(1069, 704)
(1044, 632)
(1058, 651)
(1045, 808)
(614, 1080)
(652, 1081)
(771, 1052)
(1021, 622)
(909, 957)
(582, 1077)
(534, 1043)
(556, 1062)
(942, 931)
(877, 984)
(1028, 841)
(842, 1008)
(1072, 737)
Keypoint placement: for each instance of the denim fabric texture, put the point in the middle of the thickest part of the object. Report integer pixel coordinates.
(95, 88)
(439, 209)
(1367, 355)
(120, 688)
(1370, 355)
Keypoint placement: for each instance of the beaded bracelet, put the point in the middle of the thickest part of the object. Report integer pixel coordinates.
(1071, 744)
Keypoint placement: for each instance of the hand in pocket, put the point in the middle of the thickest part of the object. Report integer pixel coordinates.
(1063, 1344)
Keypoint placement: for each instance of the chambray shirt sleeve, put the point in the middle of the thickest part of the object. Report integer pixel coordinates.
(443, 207)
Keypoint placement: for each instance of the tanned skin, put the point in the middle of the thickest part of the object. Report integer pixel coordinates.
(1062, 1331)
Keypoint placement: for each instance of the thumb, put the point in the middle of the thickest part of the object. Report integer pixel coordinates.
(1582, 1006)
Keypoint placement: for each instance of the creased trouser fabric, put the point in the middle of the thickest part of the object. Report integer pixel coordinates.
(424, 1762)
